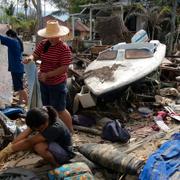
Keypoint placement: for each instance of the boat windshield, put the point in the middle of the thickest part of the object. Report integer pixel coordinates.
(108, 55)
(138, 53)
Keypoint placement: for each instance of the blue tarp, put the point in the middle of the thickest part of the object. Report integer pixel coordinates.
(164, 164)
(9, 111)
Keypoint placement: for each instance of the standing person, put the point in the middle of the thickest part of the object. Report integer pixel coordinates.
(15, 66)
(55, 58)
(52, 140)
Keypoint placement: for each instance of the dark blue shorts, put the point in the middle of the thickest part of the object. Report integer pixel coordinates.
(60, 154)
(54, 95)
(17, 79)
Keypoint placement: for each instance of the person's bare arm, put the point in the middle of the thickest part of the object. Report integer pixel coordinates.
(28, 143)
(58, 71)
(22, 135)
(32, 57)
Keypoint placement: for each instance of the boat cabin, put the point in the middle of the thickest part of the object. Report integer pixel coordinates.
(122, 51)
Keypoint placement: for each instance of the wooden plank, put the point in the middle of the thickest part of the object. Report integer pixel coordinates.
(87, 130)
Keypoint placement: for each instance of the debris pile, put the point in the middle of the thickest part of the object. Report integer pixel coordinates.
(149, 109)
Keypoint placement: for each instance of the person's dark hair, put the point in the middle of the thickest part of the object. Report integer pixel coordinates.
(13, 34)
(39, 116)
(46, 46)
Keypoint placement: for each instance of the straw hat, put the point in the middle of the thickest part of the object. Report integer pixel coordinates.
(53, 29)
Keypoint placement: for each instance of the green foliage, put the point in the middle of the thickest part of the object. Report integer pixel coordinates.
(8, 13)
(9, 10)
(154, 17)
(27, 25)
(165, 10)
(21, 16)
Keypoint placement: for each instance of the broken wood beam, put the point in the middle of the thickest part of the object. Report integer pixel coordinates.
(87, 130)
(76, 73)
(172, 56)
(170, 68)
(110, 114)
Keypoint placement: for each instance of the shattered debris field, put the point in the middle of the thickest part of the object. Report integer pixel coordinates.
(148, 109)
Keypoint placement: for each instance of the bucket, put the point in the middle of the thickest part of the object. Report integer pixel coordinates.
(85, 98)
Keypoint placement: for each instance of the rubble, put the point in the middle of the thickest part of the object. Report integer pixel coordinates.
(135, 106)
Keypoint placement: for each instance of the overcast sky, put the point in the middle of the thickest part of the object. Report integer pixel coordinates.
(48, 8)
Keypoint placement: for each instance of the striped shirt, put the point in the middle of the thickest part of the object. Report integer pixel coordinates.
(56, 56)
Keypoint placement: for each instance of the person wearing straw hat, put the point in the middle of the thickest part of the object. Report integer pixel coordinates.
(55, 58)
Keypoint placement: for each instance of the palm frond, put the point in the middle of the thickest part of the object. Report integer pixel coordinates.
(59, 12)
(63, 4)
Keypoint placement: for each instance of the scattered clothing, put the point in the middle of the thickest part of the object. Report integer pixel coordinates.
(77, 170)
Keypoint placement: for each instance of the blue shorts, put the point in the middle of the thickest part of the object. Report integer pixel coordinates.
(61, 155)
(17, 79)
(54, 95)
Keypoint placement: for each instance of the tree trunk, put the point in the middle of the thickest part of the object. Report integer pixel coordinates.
(173, 26)
(153, 30)
(39, 18)
(34, 4)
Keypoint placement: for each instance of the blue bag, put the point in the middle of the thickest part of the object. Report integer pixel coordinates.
(115, 132)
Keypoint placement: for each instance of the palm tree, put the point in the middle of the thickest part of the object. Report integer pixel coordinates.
(153, 16)
(25, 7)
(8, 12)
(173, 26)
(38, 7)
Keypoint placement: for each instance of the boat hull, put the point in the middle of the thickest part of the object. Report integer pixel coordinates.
(126, 72)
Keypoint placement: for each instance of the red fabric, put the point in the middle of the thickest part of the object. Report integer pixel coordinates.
(56, 56)
(161, 114)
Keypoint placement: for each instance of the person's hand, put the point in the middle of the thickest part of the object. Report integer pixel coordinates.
(27, 60)
(42, 76)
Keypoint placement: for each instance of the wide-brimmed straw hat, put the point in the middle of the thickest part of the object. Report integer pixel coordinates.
(53, 29)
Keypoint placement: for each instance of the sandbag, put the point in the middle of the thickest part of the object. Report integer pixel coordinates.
(111, 158)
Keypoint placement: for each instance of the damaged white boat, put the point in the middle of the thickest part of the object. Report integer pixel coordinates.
(123, 64)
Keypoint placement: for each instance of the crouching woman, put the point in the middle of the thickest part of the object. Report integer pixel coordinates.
(52, 140)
